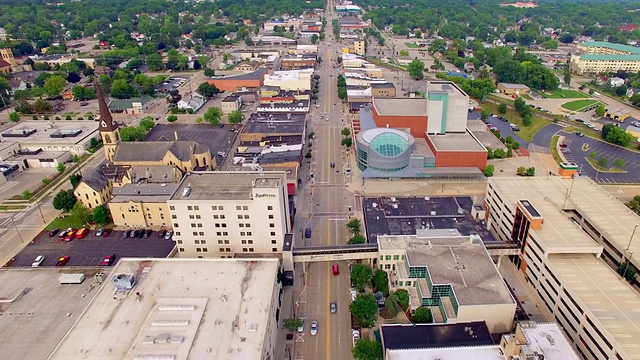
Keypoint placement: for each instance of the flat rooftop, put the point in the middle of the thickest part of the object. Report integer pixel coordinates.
(538, 337)
(158, 193)
(400, 106)
(82, 130)
(405, 215)
(226, 185)
(603, 211)
(448, 87)
(456, 261)
(456, 142)
(42, 312)
(428, 336)
(215, 137)
(597, 287)
(491, 352)
(203, 308)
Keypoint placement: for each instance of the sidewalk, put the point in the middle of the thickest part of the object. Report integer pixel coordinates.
(283, 346)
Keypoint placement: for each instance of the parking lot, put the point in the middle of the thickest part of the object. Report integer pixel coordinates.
(170, 84)
(91, 250)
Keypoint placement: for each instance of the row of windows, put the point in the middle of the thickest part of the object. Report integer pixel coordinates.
(220, 225)
(388, 257)
(218, 208)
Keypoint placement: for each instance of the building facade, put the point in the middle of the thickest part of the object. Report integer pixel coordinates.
(603, 57)
(221, 214)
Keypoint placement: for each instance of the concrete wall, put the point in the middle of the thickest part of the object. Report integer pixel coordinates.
(499, 317)
(140, 214)
(418, 124)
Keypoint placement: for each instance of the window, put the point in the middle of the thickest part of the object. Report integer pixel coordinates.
(215, 217)
(399, 283)
(270, 208)
(174, 217)
(172, 207)
(193, 224)
(246, 217)
(201, 233)
(244, 250)
(247, 225)
(197, 241)
(191, 217)
(196, 208)
(273, 233)
(221, 249)
(396, 257)
(241, 225)
(250, 242)
(218, 233)
(387, 266)
(200, 225)
(228, 249)
(273, 241)
(242, 233)
(222, 217)
(240, 217)
(226, 242)
(238, 207)
(179, 241)
(245, 208)
(223, 225)
(274, 250)
(217, 225)
(220, 208)
(181, 249)
(189, 207)
(224, 233)
(177, 233)
(205, 249)
(272, 225)
(270, 217)
(248, 233)
(195, 233)
(214, 207)
(387, 257)
(243, 242)
(198, 250)
(219, 242)
(250, 249)
(175, 225)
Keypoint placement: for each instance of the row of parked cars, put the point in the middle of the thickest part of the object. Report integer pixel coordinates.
(139, 234)
(63, 260)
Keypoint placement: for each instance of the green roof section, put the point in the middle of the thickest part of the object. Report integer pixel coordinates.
(614, 46)
(604, 57)
(117, 104)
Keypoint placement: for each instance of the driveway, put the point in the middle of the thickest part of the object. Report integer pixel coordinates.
(91, 250)
(542, 139)
(610, 152)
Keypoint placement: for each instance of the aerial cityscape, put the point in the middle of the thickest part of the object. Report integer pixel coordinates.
(340, 179)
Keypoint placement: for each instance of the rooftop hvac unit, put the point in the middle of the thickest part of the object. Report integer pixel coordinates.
(123, 282)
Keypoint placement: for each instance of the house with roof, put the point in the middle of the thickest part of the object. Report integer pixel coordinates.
(133, 106)
(5, 67)
(193, 102)
(616, 81)
(94, 189)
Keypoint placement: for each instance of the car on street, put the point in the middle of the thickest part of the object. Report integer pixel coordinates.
(62, 261)
(99, 232)
(161, 234)
(301, 327)
(53, 232)
(127, 234)
(563, 145)
(307, 233)
(314, 328)
(335, 270)
(148, 233)
(353, 294)
(37, 261)
(108, 260)
(333, 308)
(579, 133)
(106, 233)
(355, 334)
(168, 235)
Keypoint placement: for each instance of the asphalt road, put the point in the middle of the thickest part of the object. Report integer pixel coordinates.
(505, 130)
(610, 152)
(323, 205)
(542, 139)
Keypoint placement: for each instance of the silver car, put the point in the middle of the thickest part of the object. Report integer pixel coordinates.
(333, 307)
(314, 328)
(37, 261)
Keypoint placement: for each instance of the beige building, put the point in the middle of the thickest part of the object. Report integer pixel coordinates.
(141, 205)
(292, 80)
(231, 103)
(603, 57)
(357, 47)
(94, 189)
(383, 89)
(451, 274)
(569, 234)
(221, 214)
(185, 155)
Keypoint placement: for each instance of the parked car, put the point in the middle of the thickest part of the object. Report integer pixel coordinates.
(62, 234)
(161, 234)
(333, 308)
(82, 233)
(108, 260)
(106, 233)
(307, 233)
(314, 328)
(579, 133)
(356, 336)
(148, 233)
(301, 327)
(99, 232)
(62, 261)
(168, 235)
(53, 232)
(127, 234)
(70, 235)
(37, 261)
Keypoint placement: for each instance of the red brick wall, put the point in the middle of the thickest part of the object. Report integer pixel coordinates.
(461, 159)
(233, 85)
(418, 124)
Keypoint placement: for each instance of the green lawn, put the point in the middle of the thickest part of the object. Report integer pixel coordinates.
(563, 94)
(525, 132)
(412, 45)
(526, 96)
(554, 149)
(578, 104)
(63, 223)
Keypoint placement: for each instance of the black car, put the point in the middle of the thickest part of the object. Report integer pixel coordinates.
(126, 234)
(140, 234)
(148, 233)
(161, 233)
(53, 232)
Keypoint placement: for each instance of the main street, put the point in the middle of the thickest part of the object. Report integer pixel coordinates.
(323, 204)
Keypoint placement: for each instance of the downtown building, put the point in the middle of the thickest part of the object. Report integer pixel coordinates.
(571, 238)
(223, 214)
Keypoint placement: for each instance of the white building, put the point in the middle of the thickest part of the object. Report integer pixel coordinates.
(178, 309)
(290, 80)
(191, 102)
(568, 234)
(220, 214)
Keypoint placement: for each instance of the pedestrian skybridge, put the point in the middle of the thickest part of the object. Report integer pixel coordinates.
(337, 252)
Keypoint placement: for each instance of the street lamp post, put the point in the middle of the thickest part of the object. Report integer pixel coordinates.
(628, 262)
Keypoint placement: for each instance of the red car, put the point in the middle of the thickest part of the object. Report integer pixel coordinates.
(70, 235)
(106, 233)
(335, 270)
(108, 260)
(563, 145)
(62, 261)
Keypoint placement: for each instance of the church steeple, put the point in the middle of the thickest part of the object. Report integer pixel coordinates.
(108, 128)
(106, 120)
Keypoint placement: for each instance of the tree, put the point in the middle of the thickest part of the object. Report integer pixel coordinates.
(346, 142)
(600, 111)
(213, 115)
(357, 239)
(367, 349)
(14, 117)
(314, 38)
(80, 213)
(502, 108)
(73, 77)
(209, 72)
(41, 106)
(403, 298)
(416, 69)
(364, 310)
(339, 60)
(361, 276)
(488, 170)
(490, 153)
(509, 151)
(392, 306)
(616, 135)
(101, 215)
(422, 315)
(354, 226)
(235, 117)
(154, 61)
(603, 162)
(526, 120)
(74, 179)
(531, 171)
(381, 282)
(27, 194)
(519, 104)
(147, 123)
(292, 324)
(172, 118)
(61, 167)
(404, 52)
(121, 89)
(64, 200)
(132, 133)
(484, 114)
(345, 131)
(619, 163)
(208, 90)
(54, 85)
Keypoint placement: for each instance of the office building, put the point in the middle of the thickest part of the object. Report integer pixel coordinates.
(568, 235)
(177, 309)
(221, 214)
(597, 57)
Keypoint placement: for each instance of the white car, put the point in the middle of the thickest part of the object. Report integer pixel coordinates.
(314, 328)
(301, 327)
(37, 261)
(356, 336)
